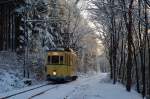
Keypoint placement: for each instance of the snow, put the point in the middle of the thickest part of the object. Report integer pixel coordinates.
(11, 75)
(9, 72)
(98, 86)
(19, 90)
(102, 89)
(8, 81)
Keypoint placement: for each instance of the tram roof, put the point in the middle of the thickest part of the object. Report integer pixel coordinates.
(61, 49)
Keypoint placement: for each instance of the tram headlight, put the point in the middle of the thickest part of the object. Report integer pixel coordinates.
(54, 73)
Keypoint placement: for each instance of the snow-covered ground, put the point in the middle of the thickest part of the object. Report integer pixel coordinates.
(94, 87)
(10, 76)
(11, 72)
(8, 81)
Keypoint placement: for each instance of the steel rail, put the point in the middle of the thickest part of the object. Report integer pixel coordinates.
(5, 97)
(38, 94)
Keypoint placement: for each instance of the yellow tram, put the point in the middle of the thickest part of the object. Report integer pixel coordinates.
(61, 65)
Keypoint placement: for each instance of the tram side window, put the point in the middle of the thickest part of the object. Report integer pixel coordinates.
(55, 59)
(49, 60)
(61, 60)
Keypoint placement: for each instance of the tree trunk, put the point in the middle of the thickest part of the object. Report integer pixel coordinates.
(136, 70)
(129, 60)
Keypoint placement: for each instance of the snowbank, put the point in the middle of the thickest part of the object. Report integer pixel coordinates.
(9, 81)
(10, 72)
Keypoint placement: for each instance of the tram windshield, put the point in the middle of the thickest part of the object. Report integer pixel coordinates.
(55, 60)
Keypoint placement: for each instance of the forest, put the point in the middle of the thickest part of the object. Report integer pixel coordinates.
(108, 36)
(124, 29)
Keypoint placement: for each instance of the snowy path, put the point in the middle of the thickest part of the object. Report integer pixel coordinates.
(95, 87)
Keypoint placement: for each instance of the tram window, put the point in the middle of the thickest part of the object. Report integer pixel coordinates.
(61, 59)
(55, 59)
(49, 60)
(69, 60)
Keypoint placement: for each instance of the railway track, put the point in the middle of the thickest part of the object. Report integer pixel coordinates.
(38, 94)
(28, 90)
